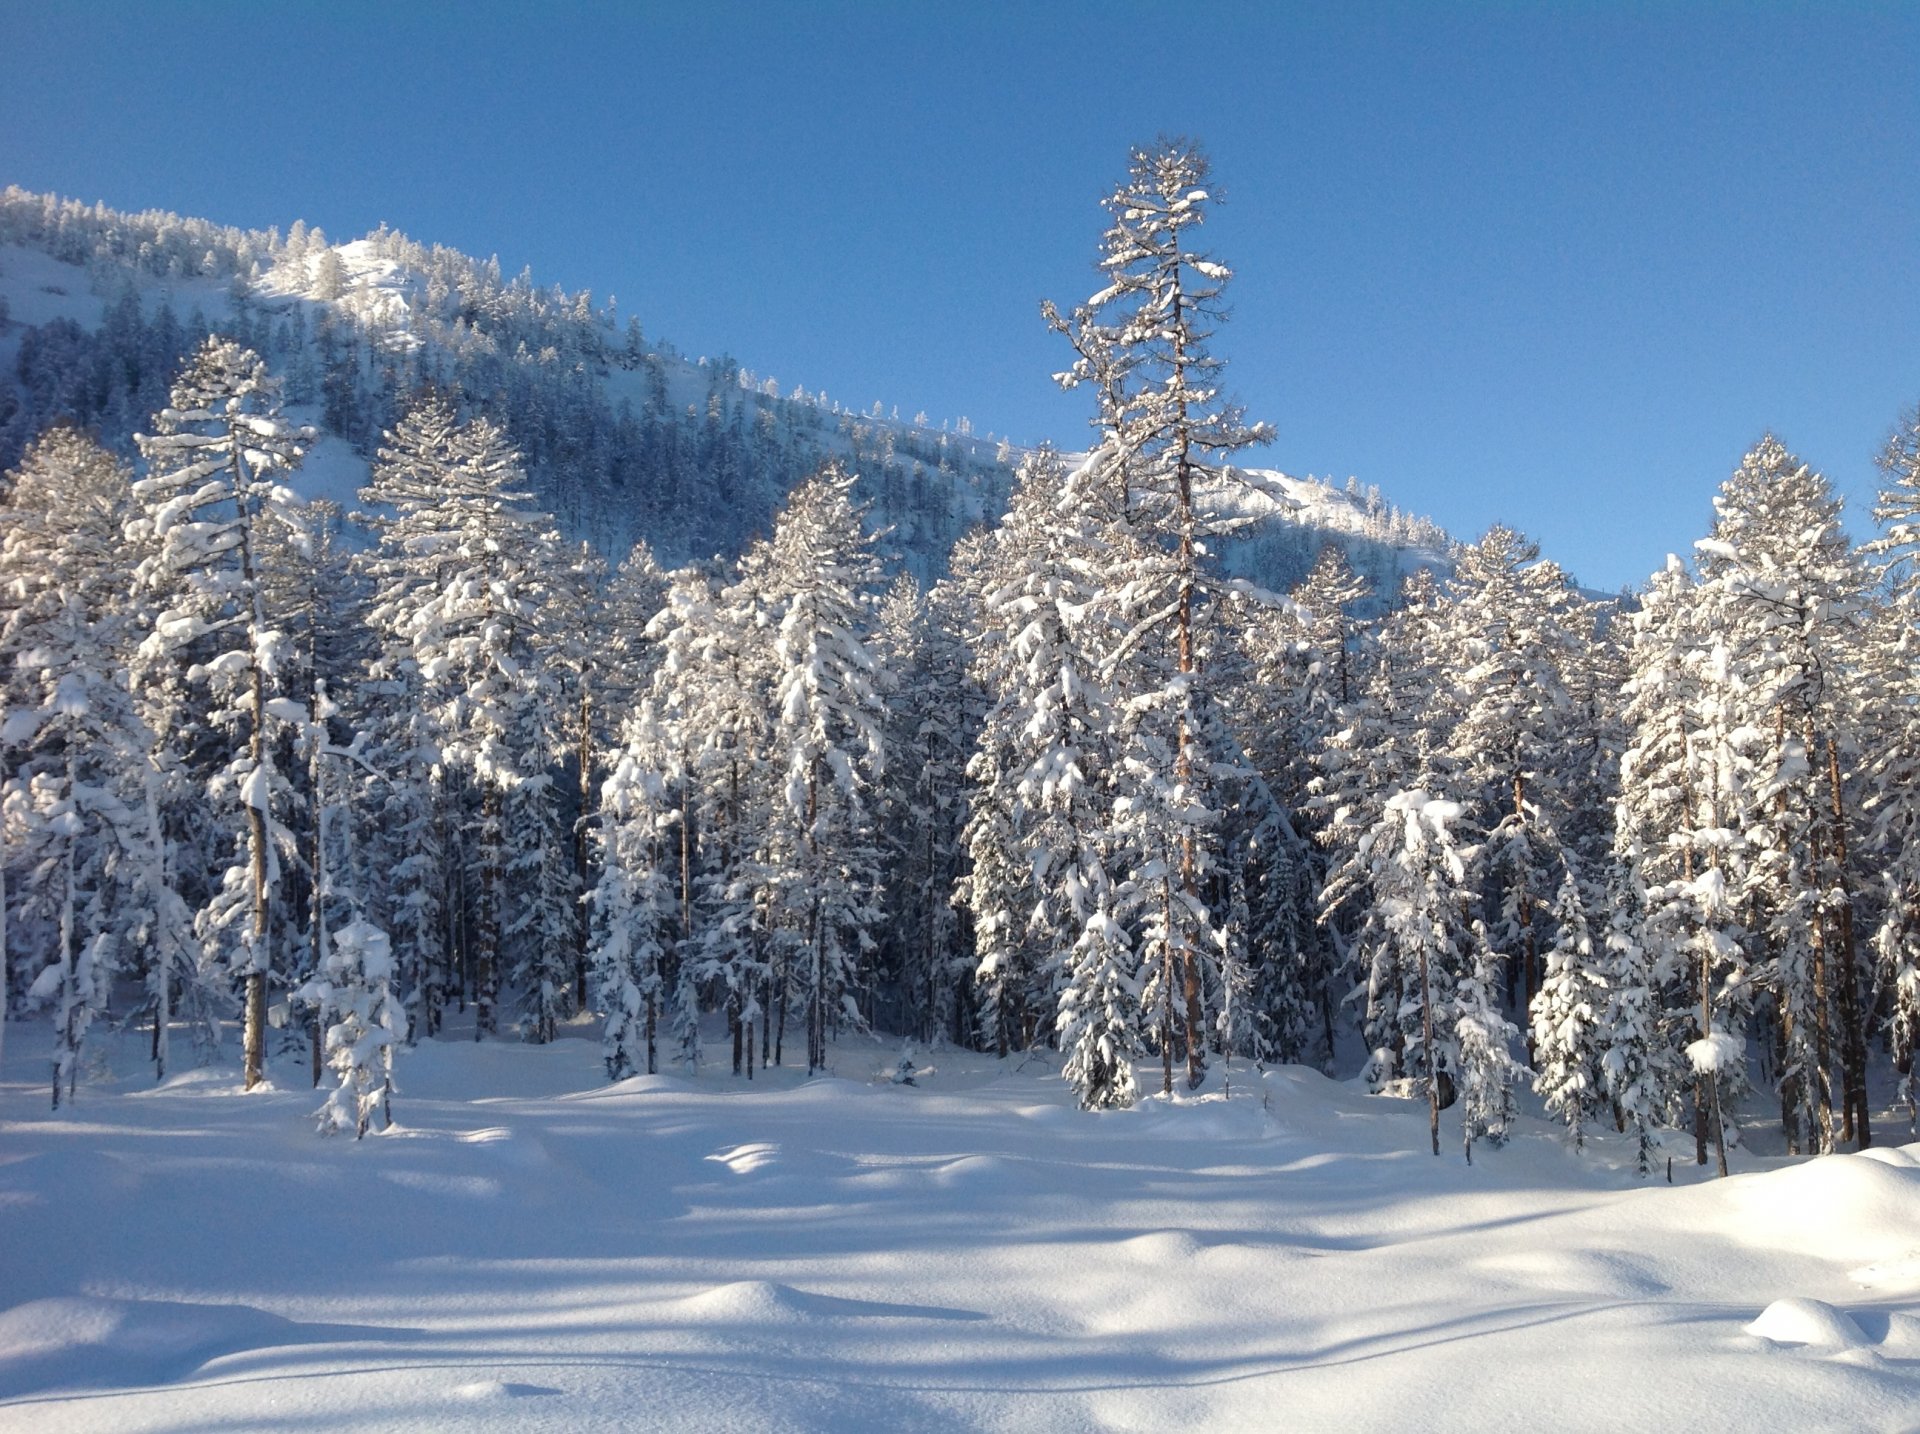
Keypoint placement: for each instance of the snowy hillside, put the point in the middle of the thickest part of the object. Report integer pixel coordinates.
(624, 436)
(531, 1248)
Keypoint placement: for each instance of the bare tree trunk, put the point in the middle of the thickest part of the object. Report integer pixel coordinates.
(582, 853)
(1426, 1042)
(1710, 1080)
(1852, 1019)
(1789, 1080)
(162, 950)
(254, 1039)
(1822, 996)
(486, 955)
(317, 915)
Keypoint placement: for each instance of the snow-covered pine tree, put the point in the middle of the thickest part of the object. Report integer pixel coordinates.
(1569, 1016)
(609, 664)
(1419, 874)
(214, 459)
(1636, 1057)
(1384, 746)
(635, 903)
(1893, 750)
(1788, 595)
(409, 840)
(712, 691)
(77, 776)
(1506, 619)
(461, 572)
(1039, 827)
(1484, 1037)
(1653, 813)
(825, 875)
(353, 989)
(1165, 435)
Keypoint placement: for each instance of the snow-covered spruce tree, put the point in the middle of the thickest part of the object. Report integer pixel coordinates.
(1488, 1070)
(1636, 1060)
(827, 739)
(1419, 875)
(408, 841)
(1038, 830)
(713, 692)
(1569, 1016)
(1384, 746)
(1307, 667)
(1698, 913)
(1893, 767)
(353, 988)
(461, 569)
(1506, 621)
(636, 910)
(1652, 862)
(1788, 595)
(606, 661)
(213, 460)
(77, 773)
(1165, 435)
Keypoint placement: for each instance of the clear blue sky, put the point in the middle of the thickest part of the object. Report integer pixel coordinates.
(1552, 264)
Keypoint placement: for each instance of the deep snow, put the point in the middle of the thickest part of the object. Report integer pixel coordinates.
(534, 1249)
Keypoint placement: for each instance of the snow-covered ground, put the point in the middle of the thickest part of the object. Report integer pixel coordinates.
(533, 1249)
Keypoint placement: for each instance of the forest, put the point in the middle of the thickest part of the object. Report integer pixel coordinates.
(998, 759)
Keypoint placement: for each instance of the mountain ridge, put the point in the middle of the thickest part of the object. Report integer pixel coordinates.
(624, 436)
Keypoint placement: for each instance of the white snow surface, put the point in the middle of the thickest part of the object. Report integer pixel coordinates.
(533, 1249)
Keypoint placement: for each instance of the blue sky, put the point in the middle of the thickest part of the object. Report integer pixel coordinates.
(1556, 265)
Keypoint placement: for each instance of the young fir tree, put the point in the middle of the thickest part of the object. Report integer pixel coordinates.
(353, 988)
(1165, 435)
(213, 462)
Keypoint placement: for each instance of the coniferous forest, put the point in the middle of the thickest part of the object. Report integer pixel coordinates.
(1003, 750)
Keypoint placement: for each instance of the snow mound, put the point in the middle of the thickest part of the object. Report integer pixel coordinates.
(976, 1172)
(1852, 1209)
(482, 1391)
(758, 1303)
(749, 1302)
(1813, 1323)
(80, 1340)
(1163, 1247)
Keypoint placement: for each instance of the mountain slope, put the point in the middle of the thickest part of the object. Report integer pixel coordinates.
(624, 436)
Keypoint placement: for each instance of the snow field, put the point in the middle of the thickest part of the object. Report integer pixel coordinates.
(535, 1250)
